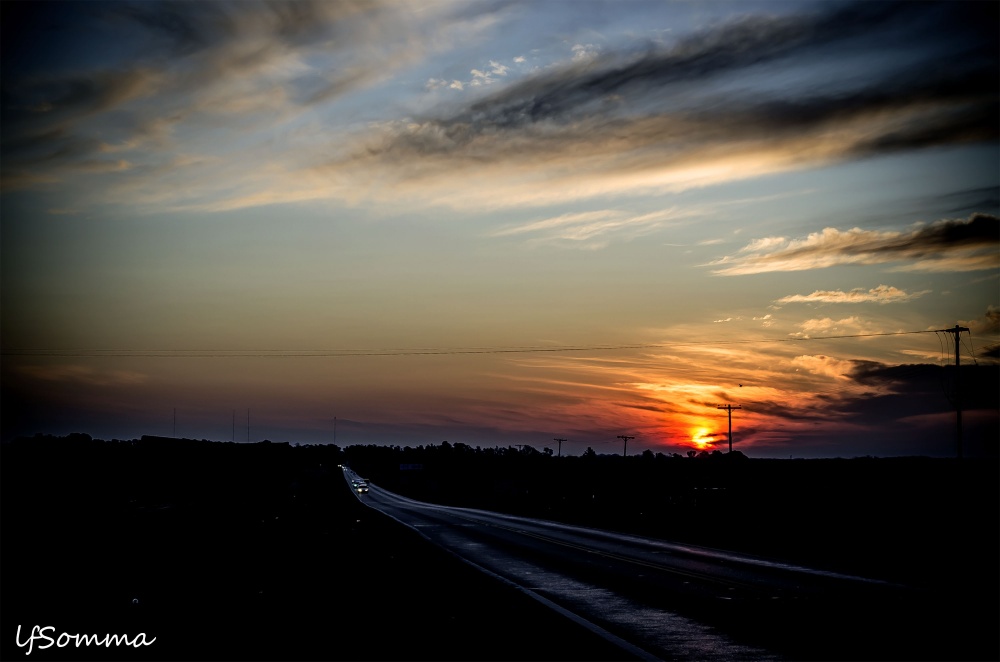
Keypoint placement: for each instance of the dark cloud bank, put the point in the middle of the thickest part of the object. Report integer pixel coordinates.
(942, 90)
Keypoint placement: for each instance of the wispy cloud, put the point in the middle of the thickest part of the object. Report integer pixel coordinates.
(591, 229)
(918, 381)
(242, 69)
(827, 326)
(825, 366)
(492, 73)
(988, 324)
(662, 119)
(625, 122)
(947, 245)
(80, 374)
(880, 294)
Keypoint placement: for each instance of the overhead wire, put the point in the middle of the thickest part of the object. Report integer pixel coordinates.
(945, 379)
(971, 350)
(342, 353)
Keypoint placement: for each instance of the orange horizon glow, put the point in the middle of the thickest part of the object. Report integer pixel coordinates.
(702, 438)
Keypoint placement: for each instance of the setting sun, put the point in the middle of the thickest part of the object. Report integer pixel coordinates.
(702, 438)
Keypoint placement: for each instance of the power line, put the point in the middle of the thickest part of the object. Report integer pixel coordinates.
(307, 353)
(970, 349)
(560, 444)
(957, 331)
(343, 353)
(729, 409)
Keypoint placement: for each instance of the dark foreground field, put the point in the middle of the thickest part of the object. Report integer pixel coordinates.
(241, 553)
(261, 552)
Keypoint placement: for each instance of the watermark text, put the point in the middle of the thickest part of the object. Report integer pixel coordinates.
(46, 637)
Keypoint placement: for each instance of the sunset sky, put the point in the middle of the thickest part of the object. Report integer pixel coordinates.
(503, 223)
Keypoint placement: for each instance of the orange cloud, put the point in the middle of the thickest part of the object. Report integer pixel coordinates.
(947, 245)
(81, 374)
(880, 294)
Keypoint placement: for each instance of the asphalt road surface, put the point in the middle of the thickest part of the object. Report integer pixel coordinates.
(668, 601)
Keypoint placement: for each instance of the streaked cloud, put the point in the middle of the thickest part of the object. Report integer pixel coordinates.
(981, 384)
(621, 120)
(624, 122)
(879, 294)
(591, 229)
(825, 366)
(82, 374)
(987, 324)
(239, 69)
(827, 326)
(947, 245)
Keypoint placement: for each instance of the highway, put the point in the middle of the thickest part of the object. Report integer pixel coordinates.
(660, 600)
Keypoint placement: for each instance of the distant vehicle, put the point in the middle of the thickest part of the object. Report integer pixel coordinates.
(362, 488)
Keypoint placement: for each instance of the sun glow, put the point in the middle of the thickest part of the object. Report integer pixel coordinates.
(702, 438)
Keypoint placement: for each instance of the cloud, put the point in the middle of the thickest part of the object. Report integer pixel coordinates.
(765, 320)
(498, 69)
(582, 52)
(590, 229)
(826, 326)
(256, 66)
(636, 122)
(481, 76)
(947, 245)
(80, 374)
(43, 115)
(824, 366)
(652, 119)
(881, 294)
(980, 384)
(562, 94)
(990, 323)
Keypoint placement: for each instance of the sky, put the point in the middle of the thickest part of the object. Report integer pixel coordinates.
(504, 222)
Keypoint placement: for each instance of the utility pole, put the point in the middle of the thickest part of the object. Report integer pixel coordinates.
(730, 409)
(625, 439)
(957, 330)
(560, 445)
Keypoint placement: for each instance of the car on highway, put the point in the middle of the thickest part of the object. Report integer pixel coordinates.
(361, 488)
